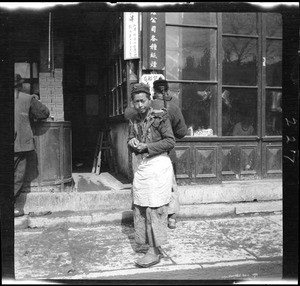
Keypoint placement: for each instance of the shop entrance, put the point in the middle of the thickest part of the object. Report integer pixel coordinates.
(83, 64)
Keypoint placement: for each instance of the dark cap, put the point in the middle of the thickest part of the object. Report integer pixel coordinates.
(140, 87)
(160, 82)
(18, 79)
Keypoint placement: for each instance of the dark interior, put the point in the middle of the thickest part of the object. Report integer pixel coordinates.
(84, 35)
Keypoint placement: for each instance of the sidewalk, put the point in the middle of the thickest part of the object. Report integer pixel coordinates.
(105, 251)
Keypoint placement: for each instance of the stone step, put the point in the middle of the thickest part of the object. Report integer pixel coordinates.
(88, 218)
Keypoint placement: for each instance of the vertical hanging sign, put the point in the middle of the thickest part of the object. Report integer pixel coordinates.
(154, 41)
(131, 36)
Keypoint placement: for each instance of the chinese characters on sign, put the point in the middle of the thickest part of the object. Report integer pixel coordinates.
(153, 41)
(131, 35)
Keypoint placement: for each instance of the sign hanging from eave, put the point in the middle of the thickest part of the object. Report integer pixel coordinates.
(153, 41)
(131, 35)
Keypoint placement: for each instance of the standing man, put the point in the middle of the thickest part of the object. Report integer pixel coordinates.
(151, 139)
(162, 99)
(27, 107)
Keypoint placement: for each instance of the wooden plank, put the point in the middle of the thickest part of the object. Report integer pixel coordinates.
(96, 153)
(98, 166)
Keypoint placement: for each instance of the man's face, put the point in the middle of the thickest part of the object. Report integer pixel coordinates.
(141, 102)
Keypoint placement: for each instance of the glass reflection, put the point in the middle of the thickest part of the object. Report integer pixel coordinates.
(239, 23)
(191, 53)
(273, 112)
(173, 70)
(274, 63)
(199, 108)
(239, 112)
(188, 18)
(239, 61)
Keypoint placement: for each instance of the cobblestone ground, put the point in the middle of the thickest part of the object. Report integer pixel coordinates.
(78, 253)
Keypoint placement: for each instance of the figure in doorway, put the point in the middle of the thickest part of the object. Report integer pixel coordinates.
(27, 107)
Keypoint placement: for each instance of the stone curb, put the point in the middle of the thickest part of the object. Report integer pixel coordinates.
(168, 268)
(120, 216)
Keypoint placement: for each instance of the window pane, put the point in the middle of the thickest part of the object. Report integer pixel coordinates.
(197, 49)
(273, 25)
(207, 19)
(239, 61)
(273, 112)
(239, 112)
(173, 71)
(175, 92)
(199, 108)
(239, 23)
(274, 63)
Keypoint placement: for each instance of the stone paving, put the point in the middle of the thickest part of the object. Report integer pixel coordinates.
(66, 252)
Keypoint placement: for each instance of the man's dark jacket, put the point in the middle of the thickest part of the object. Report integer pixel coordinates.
(175, 116)
(26, 106)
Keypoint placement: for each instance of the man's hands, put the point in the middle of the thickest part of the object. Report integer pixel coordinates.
(133, 142)
(137, 146)
(142, 148)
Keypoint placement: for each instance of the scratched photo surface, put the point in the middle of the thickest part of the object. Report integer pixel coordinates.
(234, 76)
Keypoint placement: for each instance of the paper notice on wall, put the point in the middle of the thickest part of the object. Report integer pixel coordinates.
(149, 79)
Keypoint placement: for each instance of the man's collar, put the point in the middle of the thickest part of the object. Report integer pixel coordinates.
(150, 110)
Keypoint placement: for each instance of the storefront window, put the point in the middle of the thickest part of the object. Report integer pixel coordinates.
(273, 112)
(239, 112)
(191, 53)
(206, 19)
(239, 23)
(274, 63)
(198, 105)
(240, 61)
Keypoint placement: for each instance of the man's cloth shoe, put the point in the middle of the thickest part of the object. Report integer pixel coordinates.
(172, 223)
(18, 212)
(148, 260)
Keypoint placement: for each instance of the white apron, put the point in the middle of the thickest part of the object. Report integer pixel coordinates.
(152, 183)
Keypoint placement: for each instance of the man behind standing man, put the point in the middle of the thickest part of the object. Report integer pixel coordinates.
(162, 99)
(26, 107)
